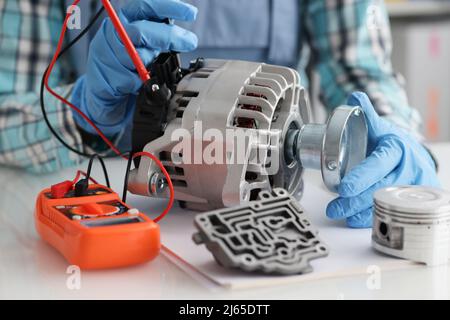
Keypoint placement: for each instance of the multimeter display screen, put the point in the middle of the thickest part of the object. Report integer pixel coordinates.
(110, 222)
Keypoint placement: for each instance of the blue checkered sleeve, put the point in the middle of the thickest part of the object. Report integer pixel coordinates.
(351, 48)
(29, 33)
(25, 140)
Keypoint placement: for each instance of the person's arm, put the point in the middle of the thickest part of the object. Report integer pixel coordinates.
(351, 47)
(26, 142)
(103, 94)
(107, 92)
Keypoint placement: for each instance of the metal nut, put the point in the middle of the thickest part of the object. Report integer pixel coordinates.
(155, 88)
(157, 184)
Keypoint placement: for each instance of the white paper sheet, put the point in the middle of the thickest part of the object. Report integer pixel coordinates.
(350, 249)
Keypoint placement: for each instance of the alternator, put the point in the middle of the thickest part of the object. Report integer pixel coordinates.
(253, 122)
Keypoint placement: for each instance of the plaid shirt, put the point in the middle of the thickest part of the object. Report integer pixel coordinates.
(29, 32)
(350, 49)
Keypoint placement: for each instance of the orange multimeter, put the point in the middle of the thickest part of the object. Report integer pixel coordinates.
(96, 230)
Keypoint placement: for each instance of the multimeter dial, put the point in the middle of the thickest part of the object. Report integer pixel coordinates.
(93, 210)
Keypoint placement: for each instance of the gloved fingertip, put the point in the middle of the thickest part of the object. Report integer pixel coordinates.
(186, 41)
(334, 210)
(357, 224)
(191, 13)
(356, 98)
(362, 220)
(183, 11)
(360, 99)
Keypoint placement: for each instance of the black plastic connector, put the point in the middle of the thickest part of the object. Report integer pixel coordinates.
(81, 188)
(153, 101)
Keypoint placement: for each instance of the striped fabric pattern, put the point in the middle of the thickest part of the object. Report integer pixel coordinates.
(351, 48)
(29, 31)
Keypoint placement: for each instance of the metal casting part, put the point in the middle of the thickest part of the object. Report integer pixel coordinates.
(334, 148)
(271, 235)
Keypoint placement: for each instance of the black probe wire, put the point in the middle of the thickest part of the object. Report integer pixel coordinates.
(127, 177)
(102, 162)
(45, 115)
(42, 100)
(60, 139)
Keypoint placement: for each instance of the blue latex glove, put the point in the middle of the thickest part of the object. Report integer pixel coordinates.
(107, 92)
(394, 158)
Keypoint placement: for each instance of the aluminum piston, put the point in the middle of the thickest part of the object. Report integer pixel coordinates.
(413, 222)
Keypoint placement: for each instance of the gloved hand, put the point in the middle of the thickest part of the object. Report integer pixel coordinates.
(107, 92)
(394, 158)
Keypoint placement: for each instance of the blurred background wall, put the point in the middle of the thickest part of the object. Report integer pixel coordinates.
(421, 54)
(421, 36)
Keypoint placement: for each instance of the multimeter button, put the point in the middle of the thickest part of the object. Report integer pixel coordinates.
(133, 212)
(95, 210)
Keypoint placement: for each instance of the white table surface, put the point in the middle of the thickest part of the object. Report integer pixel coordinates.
(30, 269)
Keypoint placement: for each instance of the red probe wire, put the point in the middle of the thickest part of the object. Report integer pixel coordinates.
(138, 63)
(169, 181)
(82, 173)
(56, 95)
(129, 46)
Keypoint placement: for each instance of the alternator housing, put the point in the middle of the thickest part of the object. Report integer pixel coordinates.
(225, 96)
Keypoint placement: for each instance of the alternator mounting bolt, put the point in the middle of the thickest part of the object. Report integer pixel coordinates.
(157, 184)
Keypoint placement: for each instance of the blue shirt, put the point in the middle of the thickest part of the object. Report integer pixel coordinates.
(254, 30)
(261, 30)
